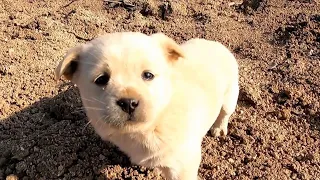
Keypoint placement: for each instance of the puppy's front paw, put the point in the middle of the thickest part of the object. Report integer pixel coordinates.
(217, 131)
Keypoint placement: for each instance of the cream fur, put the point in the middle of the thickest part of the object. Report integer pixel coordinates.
(195, 90)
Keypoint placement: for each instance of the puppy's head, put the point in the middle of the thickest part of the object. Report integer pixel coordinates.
(123, 78)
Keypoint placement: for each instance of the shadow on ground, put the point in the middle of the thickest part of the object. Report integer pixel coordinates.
(50, 139)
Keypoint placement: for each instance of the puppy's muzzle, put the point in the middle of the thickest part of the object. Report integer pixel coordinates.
(128, 105)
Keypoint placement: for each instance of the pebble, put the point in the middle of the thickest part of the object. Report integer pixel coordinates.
(21, 166)
(284, 114)
(102, 157)
(294, 176)
(232, 173)
(22, 154)
(60, 170)
(231, 160)
(11, 51)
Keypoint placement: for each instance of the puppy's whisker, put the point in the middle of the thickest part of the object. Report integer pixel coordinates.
(85, 126)
(94, 100)
(94, 108)
(88, 99)
(102, 117)
(99, 101)
(77, 111)
(98, 120)
(79, 108)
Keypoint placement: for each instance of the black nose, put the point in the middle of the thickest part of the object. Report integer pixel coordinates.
(128, 105)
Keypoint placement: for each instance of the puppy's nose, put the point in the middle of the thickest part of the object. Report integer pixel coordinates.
(128, 105)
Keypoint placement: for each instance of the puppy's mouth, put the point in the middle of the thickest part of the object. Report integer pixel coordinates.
(130, 117)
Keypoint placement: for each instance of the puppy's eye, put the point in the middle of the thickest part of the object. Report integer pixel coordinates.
(102, 79)
(147, 76)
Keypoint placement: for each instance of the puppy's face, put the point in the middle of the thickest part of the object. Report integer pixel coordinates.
(123, 78)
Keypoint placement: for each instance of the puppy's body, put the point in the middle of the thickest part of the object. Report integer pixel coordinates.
(196, 87)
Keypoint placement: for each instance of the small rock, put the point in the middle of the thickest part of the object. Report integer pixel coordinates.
(165, 10)
(246, 160)
(309, 157)
(11, 51)
(249, 131)
(135, 173)
(231, 160)
(311, 52)
(36, 149)
(124, 3)
(232, 173)
(22, 154)
(147, 10)
(294, 176)
(254, 156)
(60, 170)
(252, 4)
(284, 114)
(231, 3)
(223, 153)
(273, 65)
(34, 110)
(21, 166)
(102, 157)
(283, 96)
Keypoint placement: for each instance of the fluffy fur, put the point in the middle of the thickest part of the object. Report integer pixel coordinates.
(195, 89)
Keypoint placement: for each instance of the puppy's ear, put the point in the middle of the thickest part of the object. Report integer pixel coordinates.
(172, 50)
(68, 66)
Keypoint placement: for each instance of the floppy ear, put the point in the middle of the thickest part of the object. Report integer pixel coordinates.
(172, 50)
(68, 66)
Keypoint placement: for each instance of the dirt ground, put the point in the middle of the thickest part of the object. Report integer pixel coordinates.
(274, 133)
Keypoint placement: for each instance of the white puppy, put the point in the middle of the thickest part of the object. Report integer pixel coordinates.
(153, 98)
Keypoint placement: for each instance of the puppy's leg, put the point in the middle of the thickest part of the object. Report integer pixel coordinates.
(220, 127)
(185, 170)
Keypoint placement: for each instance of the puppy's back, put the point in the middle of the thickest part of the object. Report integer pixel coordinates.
(202, 78)
(206, 52)
(209, 61)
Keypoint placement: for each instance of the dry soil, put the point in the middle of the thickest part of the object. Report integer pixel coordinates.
(274, 133)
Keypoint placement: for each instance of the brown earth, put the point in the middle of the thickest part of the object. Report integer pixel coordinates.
(274, 134)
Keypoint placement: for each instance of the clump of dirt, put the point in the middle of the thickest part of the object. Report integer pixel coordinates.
(250, 6)
(302, 31)
(44, 130)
